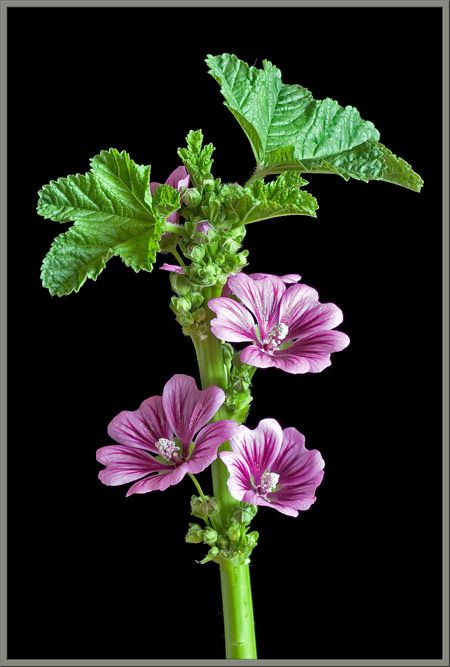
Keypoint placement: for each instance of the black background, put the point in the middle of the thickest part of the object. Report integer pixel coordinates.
(95, 575)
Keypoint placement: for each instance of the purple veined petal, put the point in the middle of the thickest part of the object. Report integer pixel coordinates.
(142, 427)
(305, 315)
(173, 268)
(207, 442)
(300, 471)
(159, 482)
(179, 178)
(315, 349)
(203, 227)
(187, 408)
(233, 322)
(153, 186)
(296, 300)
(125, 464)
(239, 482)
(290, 278)
(290, 362)
(255, 356)
(262, 297)
(259, 447)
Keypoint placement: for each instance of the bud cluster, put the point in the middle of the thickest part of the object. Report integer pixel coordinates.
(229, 539)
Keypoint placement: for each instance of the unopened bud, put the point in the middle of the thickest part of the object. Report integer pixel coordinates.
(244, 515)
(194, 534)
(191, 198)
(202, 508)
(209, 536)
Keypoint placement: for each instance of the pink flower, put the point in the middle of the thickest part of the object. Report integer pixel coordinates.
(288, 279)
(273, 468)
(287, 326)
(156, 442)
(178, 179)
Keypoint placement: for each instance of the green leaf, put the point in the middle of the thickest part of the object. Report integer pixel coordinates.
(261, 201)
(289, 129)
(114, 215)
(197, 158)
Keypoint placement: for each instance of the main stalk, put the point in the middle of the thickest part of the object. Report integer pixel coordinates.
(237, 601)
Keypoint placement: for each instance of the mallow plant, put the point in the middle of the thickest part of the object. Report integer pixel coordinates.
(238, 321)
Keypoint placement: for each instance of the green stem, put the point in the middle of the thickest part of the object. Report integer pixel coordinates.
(237, 602)
(197, 485)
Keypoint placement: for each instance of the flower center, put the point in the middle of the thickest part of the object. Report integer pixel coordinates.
(277, 334)
(268, 482)
(167, 448)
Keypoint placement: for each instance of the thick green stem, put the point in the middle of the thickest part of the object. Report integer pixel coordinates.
(235, 576)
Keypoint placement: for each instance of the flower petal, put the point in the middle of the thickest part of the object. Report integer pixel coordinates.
(262, 297)
(300, 471)
(173, 268)
(302, 312)
(255, 356)
(315, 349)
(258, 447)
(239, 482)
(233, 322)
(153, 186)
(142, 427)
(125, 464)
(207, 443)
(188, 409)
(179, 178)
(159, 482)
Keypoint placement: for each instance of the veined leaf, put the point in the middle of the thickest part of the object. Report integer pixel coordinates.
(289, 129)
(261, 201)
(114, 215)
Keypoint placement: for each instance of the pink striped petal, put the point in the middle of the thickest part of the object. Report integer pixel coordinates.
(314, 349)
(188, 409)
(159, 482)
(125, 464)
(258, 447)
(233, 322)
(255, 356)
(142, 427)
(262, 297)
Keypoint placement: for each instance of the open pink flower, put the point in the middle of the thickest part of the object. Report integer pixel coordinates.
(272, 467)
(178, 179)
(287, 326)
(156, 442)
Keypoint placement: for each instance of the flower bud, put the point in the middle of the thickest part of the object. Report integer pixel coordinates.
(191, 198)
(209, 536)
(252, 539)
(203, 508)
(180, 283)
(234, 532)
(194, 534)
(245, 514)
(168, 242)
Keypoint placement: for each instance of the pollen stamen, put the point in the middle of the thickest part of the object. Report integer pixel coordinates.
(268, 483)
(274, 339)
(167, 449)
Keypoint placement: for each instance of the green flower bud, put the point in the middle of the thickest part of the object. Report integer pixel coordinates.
(251, 539)
(195, 252)
(231, 246)
(209, 536)
(212, 553)
(234, 532)
(245, 514)
(180, 283)
(227, 353)
(203, 508)
(197, 299)
(191, 198)
(181, 304)
(194, 534)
